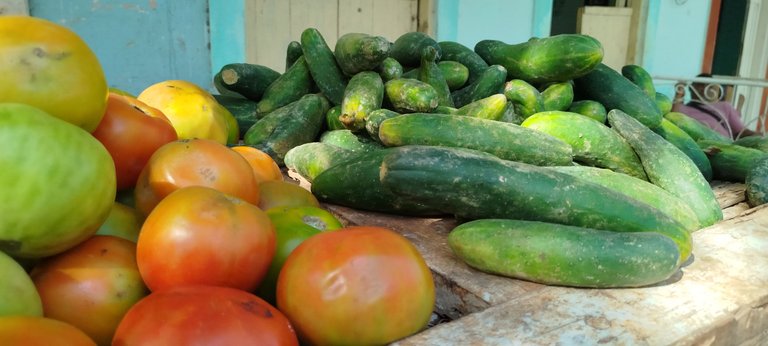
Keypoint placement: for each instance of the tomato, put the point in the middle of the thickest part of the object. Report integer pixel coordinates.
(198, 235)
(123, 221)
(132, 131)
(17, 292)
(264, 167)
(293, 225)
(204, 315)
(91, 286)
(40, 331)
(194, 162)
(50, 67)
(280, 193)
(58, 183)
(356, 286)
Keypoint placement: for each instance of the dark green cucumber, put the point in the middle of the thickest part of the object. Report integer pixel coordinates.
(640, 77)
(455, 74)
(694, 128)
(322, 65)
(756, 183)
(332, 121)
(550, 59)
(289, 87)
(554, 254)
(408, 47)
(504, 140)
(244, 111)
(757, 142)
(454, 51)
(357, 52)
(589, 108)
(300, 123)
(489, 82)
(593, 143)
(222, 89)
(491, 108)
(249, 80)
(364, 94)
(638, 189)
(603, 84)
(410, 95)
(668, 167)
(412, 73)
(557, 96)
(526, 98)
(663, 103)
(311, 159)
(730, 162)
(390, 69)
(375, 119)
(292, 53)
(474, 185)
(355, 183)
(431, 74)
(686, 144)
(348, 140)
(510, 114)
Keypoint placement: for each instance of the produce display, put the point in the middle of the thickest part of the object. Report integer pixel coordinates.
(171, 207)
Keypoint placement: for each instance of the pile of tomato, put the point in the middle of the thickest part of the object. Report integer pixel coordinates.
(140, 221)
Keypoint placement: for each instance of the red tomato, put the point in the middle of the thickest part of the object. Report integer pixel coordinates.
(91, 286)
(204, 315)
(356, 286)
(40, 331)
(131, 131)
(198, 235)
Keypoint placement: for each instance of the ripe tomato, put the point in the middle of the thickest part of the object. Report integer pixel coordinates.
(91, 286)
(132, 131)
(17, 292)
(280, 193)
(264, 167)
(198, 235)
(356, 286)
(204, 315)
(194, 162)
(40, 331)
(48, 66)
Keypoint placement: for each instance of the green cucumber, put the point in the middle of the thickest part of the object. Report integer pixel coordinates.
(410, 95)
(489, 82)
(593, 143)
(603, 84)
(694, 128)
(292, 53)
(408, 47)
(364, 94)
(730, 162)
(332, 121)
(249, 80)
(348, 140)
(289, 87)
(756, 183)
(526, 98)
(491, 108)
(554, 254)
(668, 167)
(757, 142)
(322, 65)
(550, 59)
(455, 74)
(431, 74)
(504, 140)
(589, 108)
(374, 120)
(640, 77)
(244, 111)
(454, 51)
(357, 52)
(446, 110)
(663, 102)
(557, 96)
(686, 144)
(510, 114)
(311, 159)
(218, 84)
(390, 69)
(474, 185)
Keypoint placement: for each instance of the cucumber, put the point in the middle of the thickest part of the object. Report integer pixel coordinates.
(730, 162)
(292, 53)
(489, 82)
(687, 145)
(668, 167)
(638, 189)
(589, 108)
(556, 58)
(526, 98)
(218, 84)
(510, 115)
(289, 87)
(557, 96)
(348, 140)
(640, 77)
(357, 52)
(455, 74)
(332, 121)
(322, 65)
(474, 185)
(364, 94)
(281, 131)
(454, 51)
(694, 128)
(756, 183)
(431, 74)
(390, 69)
(311, 159)
(593, 143)
(614, 91)
(410, 95)
(249, 80)
(408, 47)
(757, 142)
(244, 111)
(504, 140)
(663, 103)
(374, 120)
(491, 108)
(554, 254)
(446, 110)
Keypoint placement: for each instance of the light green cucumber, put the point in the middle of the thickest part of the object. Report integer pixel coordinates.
(491, 108)
(364, 94)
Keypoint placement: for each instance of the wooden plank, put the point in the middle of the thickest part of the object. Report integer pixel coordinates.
(319, 14)
(727, 193)
(14, 7)
(356, 16)
(394, 18)
(268, 33)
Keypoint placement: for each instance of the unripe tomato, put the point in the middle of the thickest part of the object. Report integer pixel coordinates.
(40, 331)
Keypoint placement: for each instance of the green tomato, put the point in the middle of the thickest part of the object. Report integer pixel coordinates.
(18, 295)
(58, 183)
(123, 222)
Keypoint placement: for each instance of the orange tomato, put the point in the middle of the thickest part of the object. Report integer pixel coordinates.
(264, 167)
(40, 331)
(282, 193)
(194, 162)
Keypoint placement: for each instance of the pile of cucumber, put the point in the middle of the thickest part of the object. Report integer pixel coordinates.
(563, 170)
